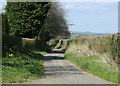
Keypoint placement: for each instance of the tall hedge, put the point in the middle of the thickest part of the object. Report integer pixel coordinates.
(109, 44)
(26, 18)
(102, 44)
(12, 41)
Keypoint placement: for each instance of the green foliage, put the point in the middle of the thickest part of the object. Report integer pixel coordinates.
(11, 41)
(21, 59)
(24, 65)
(101, 44)
(39, 20)
(53, 42)
(26, 18)
(5, 25)
(96, 55)
(62, 44)
(90, 64)
(56, 24)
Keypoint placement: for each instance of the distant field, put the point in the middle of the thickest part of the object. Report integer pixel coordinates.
(75, 35)
(88, 34)
(84, 35)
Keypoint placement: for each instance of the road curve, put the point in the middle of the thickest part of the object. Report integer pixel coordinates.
(60, 71)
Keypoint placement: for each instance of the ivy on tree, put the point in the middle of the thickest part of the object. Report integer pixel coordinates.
(26, 18)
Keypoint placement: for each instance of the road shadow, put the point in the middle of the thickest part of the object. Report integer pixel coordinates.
(60, 74)
(57, 51)
(54, 71)
(48, 58)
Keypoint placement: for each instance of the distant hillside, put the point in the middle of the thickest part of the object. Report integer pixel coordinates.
(88, 34)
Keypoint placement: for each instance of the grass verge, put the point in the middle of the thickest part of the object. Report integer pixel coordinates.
(21, 65)
(59, 47)
(90, 65)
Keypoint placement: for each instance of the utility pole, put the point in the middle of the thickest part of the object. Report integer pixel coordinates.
(71, 30)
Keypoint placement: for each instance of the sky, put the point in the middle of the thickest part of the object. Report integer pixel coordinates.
(2, 5)
(93, 16)
(96, 17)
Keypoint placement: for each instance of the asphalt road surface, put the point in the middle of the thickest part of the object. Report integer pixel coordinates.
(60, 71)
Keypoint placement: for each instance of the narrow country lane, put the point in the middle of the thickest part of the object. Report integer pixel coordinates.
(60, 71)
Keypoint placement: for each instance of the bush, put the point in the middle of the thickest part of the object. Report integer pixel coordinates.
(11, 41)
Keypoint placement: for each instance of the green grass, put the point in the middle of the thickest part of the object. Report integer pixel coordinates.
(75, 35)
(90, 65)
(24, 65)
(59, 47)
(62, 48)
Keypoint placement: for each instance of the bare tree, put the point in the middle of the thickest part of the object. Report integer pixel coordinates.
(56, 24)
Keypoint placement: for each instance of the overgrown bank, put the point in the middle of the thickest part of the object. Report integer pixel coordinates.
(22, 59)
(93, 65)
(96, 55)
(103, 45)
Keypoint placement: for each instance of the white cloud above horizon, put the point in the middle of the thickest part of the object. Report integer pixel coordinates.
(88, 6)
(88, 0)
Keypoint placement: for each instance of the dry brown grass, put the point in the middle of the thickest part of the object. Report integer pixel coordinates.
(83, 51)
(106, 48)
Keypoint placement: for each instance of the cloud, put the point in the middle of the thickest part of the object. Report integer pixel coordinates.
(69, 6)
(89, 0)
(90, 5)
